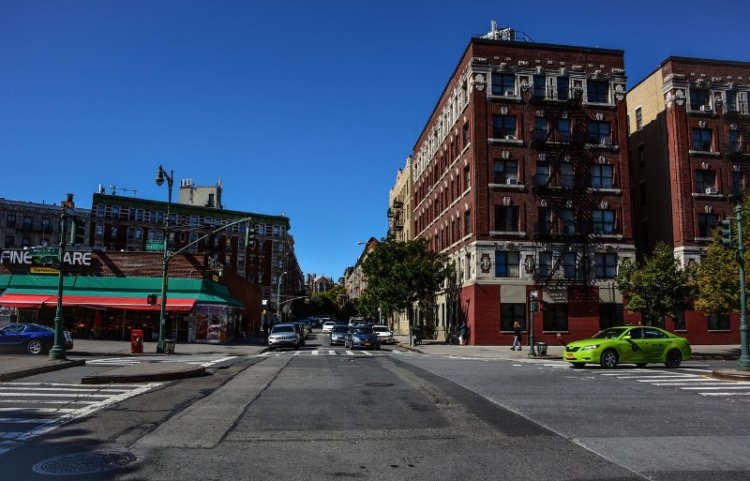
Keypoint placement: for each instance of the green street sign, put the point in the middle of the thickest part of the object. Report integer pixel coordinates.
(154, 246)
(45, 251)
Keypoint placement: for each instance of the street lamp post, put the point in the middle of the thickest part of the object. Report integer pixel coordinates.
(57, 352)
(278, 295)
(533, 307)
(743, 364)
(160, 176)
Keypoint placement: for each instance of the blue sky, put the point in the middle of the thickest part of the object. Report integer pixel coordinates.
(306, 108)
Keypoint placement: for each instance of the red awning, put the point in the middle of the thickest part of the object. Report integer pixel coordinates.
(25, 301)
(128, 303)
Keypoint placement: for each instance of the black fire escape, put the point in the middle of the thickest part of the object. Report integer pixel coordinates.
(562, 184)
(396, 220)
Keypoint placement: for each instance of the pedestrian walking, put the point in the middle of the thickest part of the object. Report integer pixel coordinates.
(463, 333)
(516, 336)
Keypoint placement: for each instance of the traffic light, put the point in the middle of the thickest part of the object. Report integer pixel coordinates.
(250, 236)
(725, 232)
(78, 231)
(151, 299)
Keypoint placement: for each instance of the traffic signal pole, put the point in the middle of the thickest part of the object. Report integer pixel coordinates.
(743, 364)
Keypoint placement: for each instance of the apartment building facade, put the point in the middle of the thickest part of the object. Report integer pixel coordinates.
(132, 224)
(28, 224)
(400, 205)
(689, 125)
(521, 177)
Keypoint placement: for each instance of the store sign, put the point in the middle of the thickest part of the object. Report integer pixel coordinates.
(23, 257)
(44, 270)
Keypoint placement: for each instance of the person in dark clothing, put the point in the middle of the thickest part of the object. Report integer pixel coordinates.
(516, 336)
(463, 333)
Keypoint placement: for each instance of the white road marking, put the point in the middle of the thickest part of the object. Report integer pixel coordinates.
(724, 393)
(316, 353)
(716, 388)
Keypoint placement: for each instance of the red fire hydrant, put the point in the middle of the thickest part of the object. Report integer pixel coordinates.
(136, 341)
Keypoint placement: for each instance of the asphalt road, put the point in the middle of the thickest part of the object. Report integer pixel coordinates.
(294, 415)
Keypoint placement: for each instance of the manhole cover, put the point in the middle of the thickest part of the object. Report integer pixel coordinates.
(379, 384)
(84, 463)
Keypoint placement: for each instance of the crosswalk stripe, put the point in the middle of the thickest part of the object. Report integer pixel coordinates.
(716, 388)
(26, 420)
(332, 352)
(76, 395)
(724, 393)
(349, 353)
(315, 352)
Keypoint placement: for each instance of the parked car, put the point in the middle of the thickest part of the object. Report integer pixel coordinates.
(384, 334)
(301, 328)
(328, 326)
(362, 336)
(338, 334)
(637, 345)
(33, 338)
(284, 335)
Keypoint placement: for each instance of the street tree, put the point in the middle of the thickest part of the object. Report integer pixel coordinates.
(657, 287)
(401, 274)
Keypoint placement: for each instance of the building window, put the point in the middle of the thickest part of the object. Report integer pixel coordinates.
(542, 173)
(541, 129)
(555, 317)
(503, 84)
(116, 212)
(503, 126)
(735, 145)
(100, 209)
(510, 313)
(506, 264)
(25, 242)
(567, 175)
(99, 230)
(644, 194)
(610, 314)
(544, 221)
(738, 183)
(706, 224)
(603, 221)
(601, 176)
(506, 172)
(597, 91)
(699, 98)
(539, 90)
(563, 130)
(545, 264)
(701, 140)
(645, 238)
(718, 322)
(641, 155)
(46, 225)
(599, 133)
(10, 241)
(638, 119)
(467, 178)
(506, 218)
(563, 88)
(10, 220)
(131, 233)
(467, 222)
(466, 134)
(569, 222)
(605, 266)
(570, 266)
(28, 223)
(705, 181)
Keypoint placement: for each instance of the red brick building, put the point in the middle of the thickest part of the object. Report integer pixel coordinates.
(689, 123)
(521, 177)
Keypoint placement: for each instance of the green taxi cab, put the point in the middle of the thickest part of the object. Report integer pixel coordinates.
(637, 345)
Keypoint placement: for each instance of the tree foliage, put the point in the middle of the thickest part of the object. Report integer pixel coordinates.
(400, 274)
(657, 287)
(716, 278)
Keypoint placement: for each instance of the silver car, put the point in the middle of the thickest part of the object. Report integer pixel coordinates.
(284, 335)
(338, 334)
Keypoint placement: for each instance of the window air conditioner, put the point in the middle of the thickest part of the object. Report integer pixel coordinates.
(508, 93)
(705, 108)
(711, 190)
(511, 181)
(510, 137)
(605, 141)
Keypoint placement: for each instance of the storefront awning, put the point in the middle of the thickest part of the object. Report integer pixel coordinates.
(128, 303)
(24, 301)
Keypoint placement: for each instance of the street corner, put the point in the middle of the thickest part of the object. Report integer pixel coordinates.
(147, 372)
(23, 366)
(731, 374)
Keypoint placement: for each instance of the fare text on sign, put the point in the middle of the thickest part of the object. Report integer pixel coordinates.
(21, 257)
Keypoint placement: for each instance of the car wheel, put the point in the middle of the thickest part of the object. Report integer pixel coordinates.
(640, 364)
(674, 359)
(609, 359)
(578, 365)
(297, 347)
(35, 346)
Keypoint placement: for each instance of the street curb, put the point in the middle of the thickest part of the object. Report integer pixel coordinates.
(732, 375)
(133, 378)
(40, 370)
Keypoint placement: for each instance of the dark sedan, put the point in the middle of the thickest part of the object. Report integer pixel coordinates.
(32, 338)
(362, 336)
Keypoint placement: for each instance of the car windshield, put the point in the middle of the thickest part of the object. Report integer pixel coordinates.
(379, 328)
(610, 333)
(340, 328)
(286, 328)
(362, 330)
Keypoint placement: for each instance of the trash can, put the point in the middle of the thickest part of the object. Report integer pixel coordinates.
(136, 341)
(541, 348)
(168, 346)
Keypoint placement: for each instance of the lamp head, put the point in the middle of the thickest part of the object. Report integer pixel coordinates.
(160, 176)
